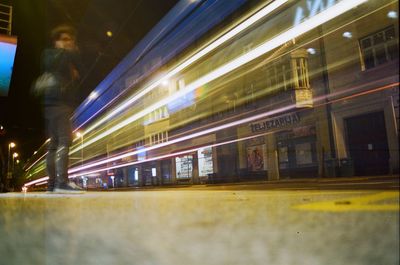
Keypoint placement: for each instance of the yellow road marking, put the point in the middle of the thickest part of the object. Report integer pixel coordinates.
(364, 203)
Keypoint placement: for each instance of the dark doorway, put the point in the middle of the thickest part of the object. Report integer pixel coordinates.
(166, 171)
(367, 142)
(297, 152)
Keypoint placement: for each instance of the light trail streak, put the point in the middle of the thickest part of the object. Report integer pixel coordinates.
(228, 36)
(187, 137)
(234, 123)
(36, 161)
(269, 45)
(36, 181)
(319, 99)
(361, 93)
(169, 155)
(40, 183)
(328, 102)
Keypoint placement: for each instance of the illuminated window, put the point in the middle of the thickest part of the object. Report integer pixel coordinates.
(249, 95)
(278, 75)
(379, 48)
(157, 115)
(184, 167)
(300, 69)
(157, 138)
(139, 144)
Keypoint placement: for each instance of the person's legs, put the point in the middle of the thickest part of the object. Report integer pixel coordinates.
(51, 130)
(64, 131)
(50, 165)
(59, 150)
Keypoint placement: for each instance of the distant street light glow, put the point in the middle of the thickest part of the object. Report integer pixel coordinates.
(392, 14)
(165, 82)
(347, 35)
(311, 51)
(93, 95)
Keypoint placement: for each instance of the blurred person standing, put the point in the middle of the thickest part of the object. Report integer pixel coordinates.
(62, 61)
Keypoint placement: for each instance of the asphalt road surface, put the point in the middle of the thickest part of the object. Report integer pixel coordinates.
(322, 223)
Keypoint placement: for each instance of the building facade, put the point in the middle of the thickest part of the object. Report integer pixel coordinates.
(277, 89)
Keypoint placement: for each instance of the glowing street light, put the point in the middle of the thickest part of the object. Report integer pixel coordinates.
(10, 145)
(14, 156)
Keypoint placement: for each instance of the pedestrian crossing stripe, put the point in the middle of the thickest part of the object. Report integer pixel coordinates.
(382, 201)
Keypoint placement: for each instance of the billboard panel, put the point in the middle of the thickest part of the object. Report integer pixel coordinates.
(8, 47)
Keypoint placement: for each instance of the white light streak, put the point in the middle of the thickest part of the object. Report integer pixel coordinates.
(184, 138)
(168, 155)
(267, 46)
(243, 26)
(320, 100)
(41, 183)
(93, 95)
(36, 181)
(36, 161)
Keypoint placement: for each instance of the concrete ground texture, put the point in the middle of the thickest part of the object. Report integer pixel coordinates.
(225, 224)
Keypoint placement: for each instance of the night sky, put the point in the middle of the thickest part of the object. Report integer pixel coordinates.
(128, 20)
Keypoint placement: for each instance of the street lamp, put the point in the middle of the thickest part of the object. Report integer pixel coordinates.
(10, 145)
(15, 155)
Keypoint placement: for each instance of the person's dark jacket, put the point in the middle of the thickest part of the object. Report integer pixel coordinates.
(66, 67)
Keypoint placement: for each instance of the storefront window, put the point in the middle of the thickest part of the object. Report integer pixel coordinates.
(297, 148)
(133, 175)
(256, 159)
(184, 167)
(205, 161)
(303, 154)
(283, 157)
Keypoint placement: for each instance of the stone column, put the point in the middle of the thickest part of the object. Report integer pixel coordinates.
(272, 157)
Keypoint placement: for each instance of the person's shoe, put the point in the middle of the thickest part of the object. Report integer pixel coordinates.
(73, 185)
(67, 188)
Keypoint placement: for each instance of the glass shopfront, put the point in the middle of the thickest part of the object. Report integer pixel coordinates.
(297, 152)
(184, 167)
(205, 159)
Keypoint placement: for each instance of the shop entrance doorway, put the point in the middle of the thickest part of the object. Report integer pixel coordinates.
(367, 143)
(297, 153)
